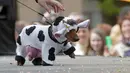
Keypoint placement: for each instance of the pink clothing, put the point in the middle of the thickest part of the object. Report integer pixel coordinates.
(33, 52)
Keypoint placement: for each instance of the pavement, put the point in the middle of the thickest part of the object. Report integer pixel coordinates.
(64, 64)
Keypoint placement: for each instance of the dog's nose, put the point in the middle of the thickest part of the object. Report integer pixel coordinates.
(76, 39)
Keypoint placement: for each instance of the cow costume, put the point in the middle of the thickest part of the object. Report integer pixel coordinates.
(42, 43)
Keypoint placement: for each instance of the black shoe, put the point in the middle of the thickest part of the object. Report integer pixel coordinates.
(20, 60)
(37, 61)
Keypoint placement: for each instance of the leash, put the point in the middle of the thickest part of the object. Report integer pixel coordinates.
(47, 20)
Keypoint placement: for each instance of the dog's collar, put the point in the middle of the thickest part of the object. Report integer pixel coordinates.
(52, 36)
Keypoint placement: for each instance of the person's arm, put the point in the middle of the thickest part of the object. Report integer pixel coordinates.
(56, 6)
(113, 51)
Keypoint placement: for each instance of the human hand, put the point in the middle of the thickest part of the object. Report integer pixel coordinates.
(56, 6)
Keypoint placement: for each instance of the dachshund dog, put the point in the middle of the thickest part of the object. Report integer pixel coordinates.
(42, 42)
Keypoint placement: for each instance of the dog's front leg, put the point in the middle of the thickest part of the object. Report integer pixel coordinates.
(72, 55)
(70, 52)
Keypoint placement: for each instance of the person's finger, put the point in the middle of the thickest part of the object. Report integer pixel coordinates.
(58, 4)
(58, 10)
(54, 9)
(46, 7)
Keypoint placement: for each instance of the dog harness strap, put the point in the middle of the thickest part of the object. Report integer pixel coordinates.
(65, 43)
(52, 36)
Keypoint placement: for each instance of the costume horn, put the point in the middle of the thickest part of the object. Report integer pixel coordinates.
(84, 24)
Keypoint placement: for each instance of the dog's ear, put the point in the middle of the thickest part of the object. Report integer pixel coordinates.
(57, 20)
(60, 32)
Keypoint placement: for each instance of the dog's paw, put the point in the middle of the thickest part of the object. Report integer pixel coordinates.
(19, 63)
(37, 61)
(20, 60)
(46, 64)
(72, 55)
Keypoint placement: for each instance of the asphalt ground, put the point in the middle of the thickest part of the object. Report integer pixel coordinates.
(64, 64)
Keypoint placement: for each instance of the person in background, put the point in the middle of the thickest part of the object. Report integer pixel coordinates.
(51, 4)
(83, 34)
(115, 34)
(97, 46)
(82, 44)
(115, 31)
(122, 49)
(105, 27)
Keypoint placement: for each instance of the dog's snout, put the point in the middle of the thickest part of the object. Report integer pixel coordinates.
(72, 36)
(76, 38)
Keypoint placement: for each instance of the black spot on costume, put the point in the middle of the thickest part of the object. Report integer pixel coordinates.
(30, 30)
(41, 36)
(51, 54)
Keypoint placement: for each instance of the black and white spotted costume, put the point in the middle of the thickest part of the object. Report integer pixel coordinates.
(42, 38)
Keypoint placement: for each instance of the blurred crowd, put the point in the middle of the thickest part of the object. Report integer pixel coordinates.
(102, 40)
